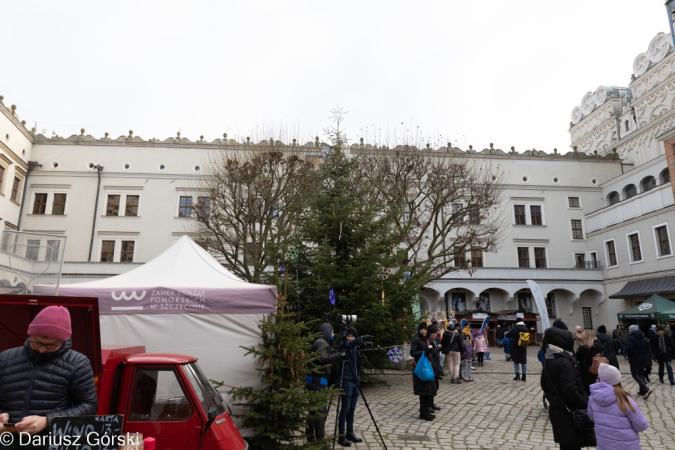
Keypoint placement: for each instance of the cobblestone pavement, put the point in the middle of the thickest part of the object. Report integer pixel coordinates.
(493, 412)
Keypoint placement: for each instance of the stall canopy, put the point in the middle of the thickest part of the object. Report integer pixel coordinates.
(655, 308)
(183, 279)
(643, 288)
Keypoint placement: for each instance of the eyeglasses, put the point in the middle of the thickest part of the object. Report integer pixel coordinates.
(38, 345)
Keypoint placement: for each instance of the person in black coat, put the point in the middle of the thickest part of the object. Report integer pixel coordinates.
(609, 346)
(564, 389)
(585, 354)
(519, 353)
(638, 351)
(426, 390)
(316, 428)
(499, 336)
(663, 351)
(45, 378)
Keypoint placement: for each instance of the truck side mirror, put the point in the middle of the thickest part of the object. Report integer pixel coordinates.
(211, 415)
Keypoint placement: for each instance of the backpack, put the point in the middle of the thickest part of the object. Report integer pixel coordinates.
(524, 339)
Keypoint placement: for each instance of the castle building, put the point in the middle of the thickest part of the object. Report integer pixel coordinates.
(592, 226)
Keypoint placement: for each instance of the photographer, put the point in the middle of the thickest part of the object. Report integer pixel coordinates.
(350, 379)
(316, 428)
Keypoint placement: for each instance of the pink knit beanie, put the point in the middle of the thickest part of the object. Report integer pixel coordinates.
(52, 322)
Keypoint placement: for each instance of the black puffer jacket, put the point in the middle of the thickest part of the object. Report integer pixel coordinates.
(418, 346)
(638, 349)
(561, 382)
(518, 353)
(450, 344)
(322, 347)
(48, 384)
(608, 349)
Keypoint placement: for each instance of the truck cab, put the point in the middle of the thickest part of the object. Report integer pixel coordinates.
(164, 396)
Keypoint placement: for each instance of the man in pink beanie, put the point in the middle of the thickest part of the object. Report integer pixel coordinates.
(45, 378)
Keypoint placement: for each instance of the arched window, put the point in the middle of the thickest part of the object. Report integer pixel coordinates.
(629, 191)
(613, 198)
(664, 176)
(648, 183)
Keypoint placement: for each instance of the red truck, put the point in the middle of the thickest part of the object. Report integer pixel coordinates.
(160, 395)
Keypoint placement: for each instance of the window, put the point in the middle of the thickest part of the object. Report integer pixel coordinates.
(577, 231)
(40, 204)
(573, 202)
(662, 240)
(158, 397)
(59, 205)
(664, 176)
(131, 206)
(460, 256)
(519, 212)
(594, 264)
(113, 207)
(613, 198)
(476, 258)
(127, 254)
(474, 215)
(204, 206)
(630, 191)
(456, 210)
(634, 247)
(33, 249)
(15, 189)
(53, 247)
(648, 184)
(535, 215)
(523, 257)
(586, 317)
(610, 248)
(540, 257)
(550, 304)
(579, 261)
(185, 206)
(107, 251)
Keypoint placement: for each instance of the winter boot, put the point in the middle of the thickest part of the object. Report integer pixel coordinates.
(352, 437)
(343, 441)
(524, 377)
(517, 377)
(458, 381)
(426, 416)
(435, 407)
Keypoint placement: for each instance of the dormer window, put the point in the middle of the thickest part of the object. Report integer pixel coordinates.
(627, 125)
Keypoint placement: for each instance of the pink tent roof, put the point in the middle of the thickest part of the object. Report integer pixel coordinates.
(184, 279)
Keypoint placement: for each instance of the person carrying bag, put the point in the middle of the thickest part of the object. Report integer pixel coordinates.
(564, 389)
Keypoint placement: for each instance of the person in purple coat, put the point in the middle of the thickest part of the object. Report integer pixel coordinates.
(617, 416)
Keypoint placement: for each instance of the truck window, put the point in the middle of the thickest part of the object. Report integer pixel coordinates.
(207, 394)
(158, 396)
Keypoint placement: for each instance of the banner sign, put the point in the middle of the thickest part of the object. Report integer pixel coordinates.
(541, 303)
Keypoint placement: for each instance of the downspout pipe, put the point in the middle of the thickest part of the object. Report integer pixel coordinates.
(31, 165)
(99, 169)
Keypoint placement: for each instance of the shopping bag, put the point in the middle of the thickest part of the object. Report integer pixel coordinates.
(423, 370)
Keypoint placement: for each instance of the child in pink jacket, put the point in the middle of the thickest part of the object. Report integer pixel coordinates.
(480, 347)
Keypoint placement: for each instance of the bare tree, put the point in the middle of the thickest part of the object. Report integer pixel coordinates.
(245, 221)
(449, 204)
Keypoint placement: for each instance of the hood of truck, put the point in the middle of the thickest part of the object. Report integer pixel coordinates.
(18, 311)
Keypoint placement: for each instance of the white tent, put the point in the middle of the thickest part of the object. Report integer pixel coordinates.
(185, 302)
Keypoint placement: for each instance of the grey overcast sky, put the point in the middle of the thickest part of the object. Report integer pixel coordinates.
(472, 72)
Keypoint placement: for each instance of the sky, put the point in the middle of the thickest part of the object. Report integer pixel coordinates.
(416, 72)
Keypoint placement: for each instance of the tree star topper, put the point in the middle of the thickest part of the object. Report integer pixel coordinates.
(337, 114)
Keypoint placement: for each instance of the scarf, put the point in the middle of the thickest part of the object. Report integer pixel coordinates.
(662, 345)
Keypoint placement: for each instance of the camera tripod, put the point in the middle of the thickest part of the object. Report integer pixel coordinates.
(365, 402)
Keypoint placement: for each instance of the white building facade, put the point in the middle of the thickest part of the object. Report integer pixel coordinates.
(575, 224)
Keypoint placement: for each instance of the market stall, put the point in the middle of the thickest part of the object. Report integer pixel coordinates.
(184, 301)
(654, 310)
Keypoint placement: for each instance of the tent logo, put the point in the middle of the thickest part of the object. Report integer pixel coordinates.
(123, 296)
(644, 306)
